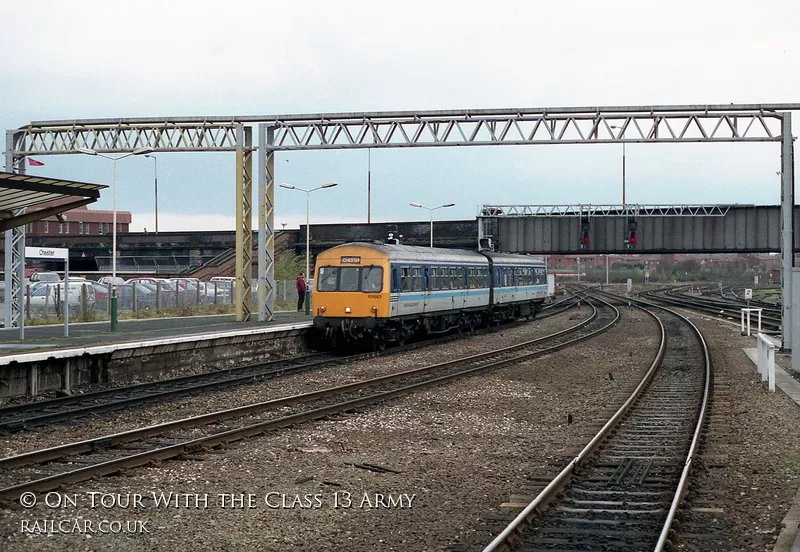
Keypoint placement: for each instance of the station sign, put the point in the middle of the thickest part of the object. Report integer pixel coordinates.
(47, 253)
(748, 293)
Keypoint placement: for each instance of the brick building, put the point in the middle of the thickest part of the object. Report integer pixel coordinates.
(80, 221)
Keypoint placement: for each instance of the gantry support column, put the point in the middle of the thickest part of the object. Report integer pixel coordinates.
(787, 229)
(14, 254)
(244, 215)
(266, 223)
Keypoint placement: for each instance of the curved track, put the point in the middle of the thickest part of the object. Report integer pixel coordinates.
(771, 317)
(49, 468)
(623, 490)
(68, 409)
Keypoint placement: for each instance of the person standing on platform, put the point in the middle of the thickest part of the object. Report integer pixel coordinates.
(301, 291)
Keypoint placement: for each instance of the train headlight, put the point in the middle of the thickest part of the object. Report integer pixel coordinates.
(347, 310)
(374, 308)
(322, 308)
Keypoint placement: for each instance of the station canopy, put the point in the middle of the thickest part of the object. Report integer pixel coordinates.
(21, 191)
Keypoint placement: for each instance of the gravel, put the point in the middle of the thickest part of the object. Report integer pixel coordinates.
(460, 450)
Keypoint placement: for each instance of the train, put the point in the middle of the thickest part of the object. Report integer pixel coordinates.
(379, 293)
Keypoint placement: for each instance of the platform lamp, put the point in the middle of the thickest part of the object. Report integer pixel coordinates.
(308, 234)
(140, 151)
(431, 210)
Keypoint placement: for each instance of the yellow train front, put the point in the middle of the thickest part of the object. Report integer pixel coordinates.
(350, 299)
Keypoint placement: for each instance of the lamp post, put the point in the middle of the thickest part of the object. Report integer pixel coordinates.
(308, 234)
(623, 166)
(432, 209)
(155, 160)
(141, 151)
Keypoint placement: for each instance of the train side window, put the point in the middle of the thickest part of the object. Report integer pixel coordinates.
(541, 276)
(405, 278)
(426, 274)
(417, 277)
(436, 282)
(395, 285)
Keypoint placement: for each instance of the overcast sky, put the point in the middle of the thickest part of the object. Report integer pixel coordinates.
(86, 59)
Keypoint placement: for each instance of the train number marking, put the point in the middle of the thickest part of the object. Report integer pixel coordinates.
(374, 296)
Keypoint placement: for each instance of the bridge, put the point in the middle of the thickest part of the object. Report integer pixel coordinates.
(577, 229)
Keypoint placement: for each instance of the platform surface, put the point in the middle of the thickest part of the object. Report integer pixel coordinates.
(48, 338)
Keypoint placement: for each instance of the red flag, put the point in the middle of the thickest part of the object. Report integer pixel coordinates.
(35, 163)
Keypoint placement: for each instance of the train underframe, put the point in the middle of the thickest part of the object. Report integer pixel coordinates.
(377, 333)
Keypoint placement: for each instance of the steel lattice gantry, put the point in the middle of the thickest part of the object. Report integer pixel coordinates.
(397, 129)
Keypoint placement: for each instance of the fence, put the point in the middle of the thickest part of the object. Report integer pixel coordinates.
(766, 360)
(89, 299)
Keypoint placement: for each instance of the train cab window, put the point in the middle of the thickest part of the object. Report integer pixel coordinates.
(407, 282)
(372, 279)
(348, 278)
(327, 278)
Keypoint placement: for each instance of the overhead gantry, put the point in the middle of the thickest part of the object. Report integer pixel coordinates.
(399, 129)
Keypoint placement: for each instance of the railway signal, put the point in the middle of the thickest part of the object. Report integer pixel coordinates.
(630, 243)
(584, 233)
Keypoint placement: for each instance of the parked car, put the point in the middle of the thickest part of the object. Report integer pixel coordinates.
(44, 298)
(110, 280)
(145, 296)
(45, 277)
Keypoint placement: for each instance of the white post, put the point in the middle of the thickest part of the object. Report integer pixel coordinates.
(761, 354)
(66, 296)
(771, 367)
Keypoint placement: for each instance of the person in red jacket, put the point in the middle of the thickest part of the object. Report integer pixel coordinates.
(301, 291)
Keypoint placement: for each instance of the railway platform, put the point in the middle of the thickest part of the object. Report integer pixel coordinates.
(139, 349)
(789, 538)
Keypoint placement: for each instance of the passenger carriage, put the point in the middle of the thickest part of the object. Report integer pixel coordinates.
(387, 292)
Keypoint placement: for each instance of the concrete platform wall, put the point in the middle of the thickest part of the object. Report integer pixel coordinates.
(147, 362)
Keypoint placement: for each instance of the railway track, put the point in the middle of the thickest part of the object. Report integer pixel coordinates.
(623, 490)
(69, 409)
(771, 317)
(50, 468)
(39, 413)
